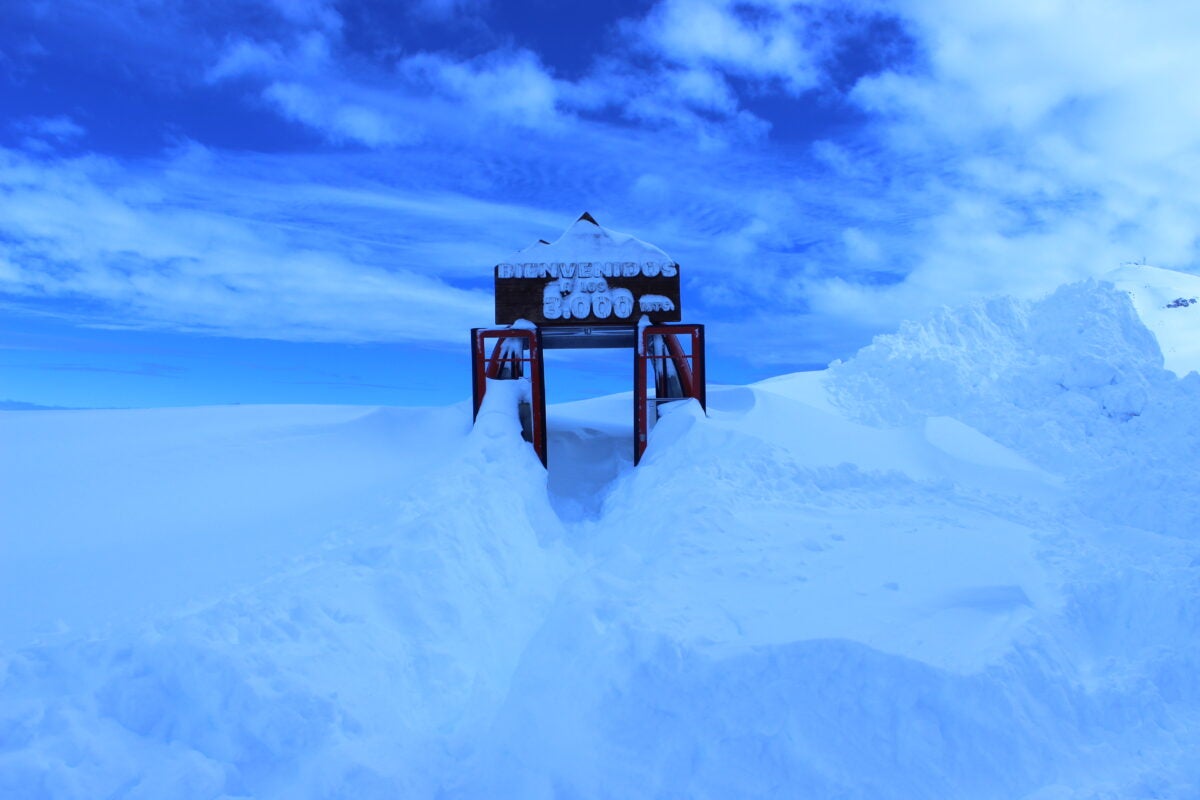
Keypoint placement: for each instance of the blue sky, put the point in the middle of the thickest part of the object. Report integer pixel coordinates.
(301, 200)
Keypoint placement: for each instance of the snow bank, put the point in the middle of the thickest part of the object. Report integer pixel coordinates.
(361, 670)
(937, 570)
(758, 620)
(142, 511)
(1074, 382)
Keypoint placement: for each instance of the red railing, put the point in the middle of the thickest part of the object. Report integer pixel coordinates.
(678, 373)
(517, 353)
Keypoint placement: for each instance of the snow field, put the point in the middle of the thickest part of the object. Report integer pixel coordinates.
(830, 631)
(345, 674)
(112, 516)
(963, 564)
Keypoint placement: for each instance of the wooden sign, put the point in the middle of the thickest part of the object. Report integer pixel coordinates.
(587, 293)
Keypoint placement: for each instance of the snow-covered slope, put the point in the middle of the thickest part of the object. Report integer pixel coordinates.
(963, 564)
(1168, 301)
(111, 515)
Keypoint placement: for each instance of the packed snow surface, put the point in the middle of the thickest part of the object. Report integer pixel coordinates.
(962, 564)
(1168, 301)
(586, 241)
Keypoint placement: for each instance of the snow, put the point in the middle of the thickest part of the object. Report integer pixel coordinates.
(1074, 382)
(655, 302)
(642, 324)
(585, 241)
(962, 564)
(970, 446)
(1157, 294)
(110, 515)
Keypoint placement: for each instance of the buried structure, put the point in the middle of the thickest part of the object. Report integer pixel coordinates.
(591, 288)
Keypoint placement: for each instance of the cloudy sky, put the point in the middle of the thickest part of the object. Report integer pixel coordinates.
(301, 200)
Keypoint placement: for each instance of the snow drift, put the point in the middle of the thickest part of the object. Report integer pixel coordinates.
(1075, 382)
(962, 564)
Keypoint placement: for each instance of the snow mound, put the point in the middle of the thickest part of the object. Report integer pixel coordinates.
(757, 620)
(1074, 382)
(345, 674)
(193, 501)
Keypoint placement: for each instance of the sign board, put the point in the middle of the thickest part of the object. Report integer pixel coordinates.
(587, 293)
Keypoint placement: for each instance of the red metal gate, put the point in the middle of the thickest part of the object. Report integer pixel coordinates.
(678, 374)
(673, 354)
(517, 353)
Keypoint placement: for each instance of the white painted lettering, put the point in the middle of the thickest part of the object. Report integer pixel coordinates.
(602, 305)
(622, 303)
(655, 302)
(551, 302)
(581, 304)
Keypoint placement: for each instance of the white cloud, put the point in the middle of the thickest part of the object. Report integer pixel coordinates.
(244, 57)
(513, 86)
(309, 54)
(340, 118)
(47, 134)
(136, 253)
(305, 83)
(314, 13)
(61, 128)
(762, 41)
(695, 100)
(309, 82)
(1039, 142)
(860, 246)
(695, 48)
(1028, 143)
(447, 9)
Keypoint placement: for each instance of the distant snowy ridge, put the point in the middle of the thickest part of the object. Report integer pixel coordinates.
(18, 405)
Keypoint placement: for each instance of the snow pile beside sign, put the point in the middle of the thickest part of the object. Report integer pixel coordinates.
(1075, 382)
(346, 673)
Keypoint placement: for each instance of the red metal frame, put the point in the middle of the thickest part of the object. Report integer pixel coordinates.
(507, 354)
(518, 353)
(692, 381)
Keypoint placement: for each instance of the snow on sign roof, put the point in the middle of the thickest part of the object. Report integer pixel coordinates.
(589, 241)
(589, 275)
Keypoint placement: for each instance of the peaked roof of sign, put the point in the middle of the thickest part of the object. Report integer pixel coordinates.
(586, 240)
